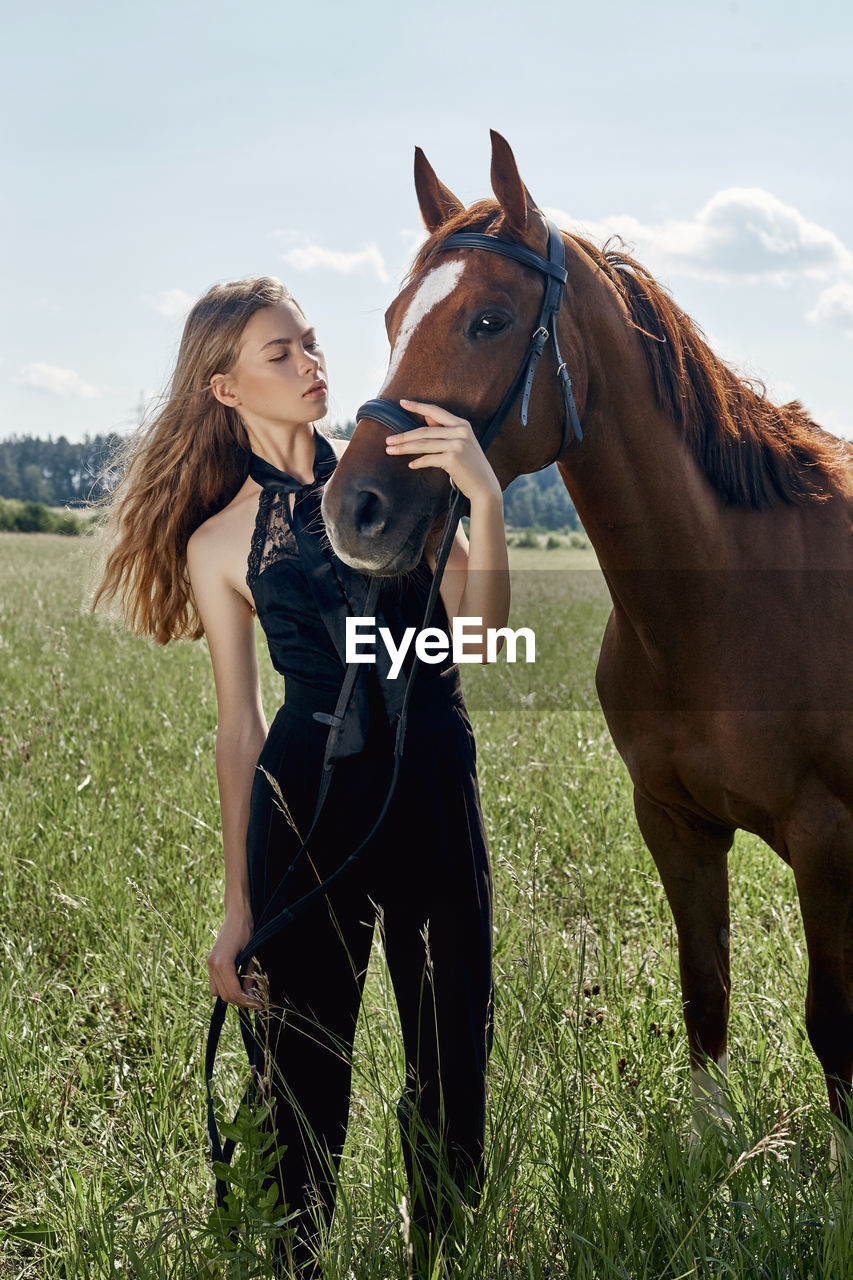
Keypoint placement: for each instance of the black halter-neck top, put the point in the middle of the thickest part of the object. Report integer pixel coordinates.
(303, 593)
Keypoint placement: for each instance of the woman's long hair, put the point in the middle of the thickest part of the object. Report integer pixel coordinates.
(186, 463)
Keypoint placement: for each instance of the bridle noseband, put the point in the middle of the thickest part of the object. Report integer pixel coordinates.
(390, 414)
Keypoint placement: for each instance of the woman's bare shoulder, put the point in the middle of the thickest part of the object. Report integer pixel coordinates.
(221, 542)
(231, 520)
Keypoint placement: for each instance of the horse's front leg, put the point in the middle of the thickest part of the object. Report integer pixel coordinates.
(693, 864)
(819, 840)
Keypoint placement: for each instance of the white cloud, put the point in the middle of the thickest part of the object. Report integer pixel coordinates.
(835, 307)
(742, 234)
(171, 303)
(313, 257)
(58, 382)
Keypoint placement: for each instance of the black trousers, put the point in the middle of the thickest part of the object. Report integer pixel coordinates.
(427, 875)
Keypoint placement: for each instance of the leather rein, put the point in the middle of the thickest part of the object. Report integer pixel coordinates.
(277, 915)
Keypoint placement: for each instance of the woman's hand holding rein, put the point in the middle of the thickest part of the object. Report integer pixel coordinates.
(236, 931)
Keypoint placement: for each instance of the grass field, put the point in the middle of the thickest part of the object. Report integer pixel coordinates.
(110, 896)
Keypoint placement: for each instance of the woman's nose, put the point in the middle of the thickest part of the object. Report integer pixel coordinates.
(310, 360)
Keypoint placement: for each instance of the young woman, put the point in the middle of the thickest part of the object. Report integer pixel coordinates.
(216, 520)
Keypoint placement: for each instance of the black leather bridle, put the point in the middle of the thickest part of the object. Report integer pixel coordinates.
(553, 267)
(389, 413)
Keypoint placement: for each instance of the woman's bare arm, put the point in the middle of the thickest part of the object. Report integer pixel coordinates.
(241, 731)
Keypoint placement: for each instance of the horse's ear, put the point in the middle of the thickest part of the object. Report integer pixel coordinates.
(438, 204)
(513, 196)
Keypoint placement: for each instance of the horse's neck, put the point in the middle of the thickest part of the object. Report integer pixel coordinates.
(640, 494)
(681, 565)
(662, 537)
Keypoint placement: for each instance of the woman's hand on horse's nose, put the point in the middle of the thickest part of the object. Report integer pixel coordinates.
(446, 441)
(222, 970)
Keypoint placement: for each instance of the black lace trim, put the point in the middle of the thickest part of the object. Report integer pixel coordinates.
(272, 537)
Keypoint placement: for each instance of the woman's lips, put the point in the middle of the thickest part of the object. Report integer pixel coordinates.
(315, 391)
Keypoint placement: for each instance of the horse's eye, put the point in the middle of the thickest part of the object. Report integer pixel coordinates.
(489, 324)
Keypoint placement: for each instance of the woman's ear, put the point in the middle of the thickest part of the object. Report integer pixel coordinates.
(224, 391)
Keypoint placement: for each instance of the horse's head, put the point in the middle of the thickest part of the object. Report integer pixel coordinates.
(459, 330)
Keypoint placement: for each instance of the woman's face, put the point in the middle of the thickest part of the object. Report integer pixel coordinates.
(279, 376)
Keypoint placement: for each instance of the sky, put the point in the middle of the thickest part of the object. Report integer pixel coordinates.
(151, 150)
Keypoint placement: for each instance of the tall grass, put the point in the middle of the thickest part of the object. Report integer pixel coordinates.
(110, 896)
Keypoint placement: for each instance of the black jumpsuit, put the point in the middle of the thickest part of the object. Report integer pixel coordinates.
(426, 873)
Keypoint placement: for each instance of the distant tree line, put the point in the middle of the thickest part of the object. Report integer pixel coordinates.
(35, 517)
(62, 473)
(542, 500)
(59, 472)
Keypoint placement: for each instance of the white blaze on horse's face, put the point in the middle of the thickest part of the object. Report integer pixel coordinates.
(434, 288)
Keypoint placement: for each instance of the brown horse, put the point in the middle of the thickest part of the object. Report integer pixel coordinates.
(724, 527)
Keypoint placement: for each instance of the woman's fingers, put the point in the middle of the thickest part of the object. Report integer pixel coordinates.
(235, 990)
(438, 415)
(431, 443)
(422, 437)
(444, 431)
(443, 460)
(225, 982)
(448, 442)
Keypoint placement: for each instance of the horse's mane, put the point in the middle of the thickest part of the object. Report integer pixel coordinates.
(754, 453)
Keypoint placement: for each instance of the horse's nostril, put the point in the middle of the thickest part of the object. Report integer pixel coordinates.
(371, 511)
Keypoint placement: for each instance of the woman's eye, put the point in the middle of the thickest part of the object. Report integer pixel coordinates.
(489, 324)
(277, 359)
